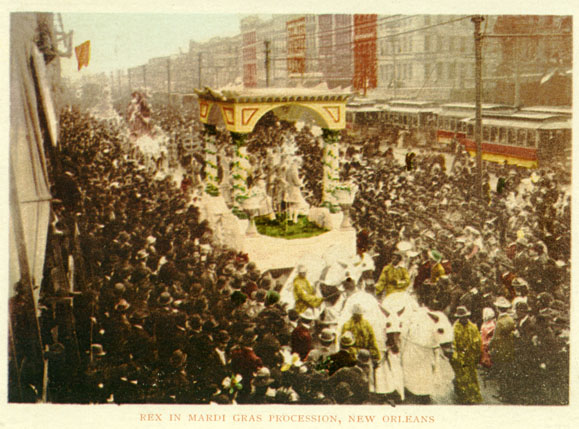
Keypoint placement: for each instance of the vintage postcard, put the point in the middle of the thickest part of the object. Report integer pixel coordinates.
(335, 215)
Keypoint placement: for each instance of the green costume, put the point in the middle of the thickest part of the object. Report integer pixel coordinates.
(392, 279)
(364, 337)
(465, 359)
(304, 295)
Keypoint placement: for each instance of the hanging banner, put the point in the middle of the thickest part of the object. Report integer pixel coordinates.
(82, 52)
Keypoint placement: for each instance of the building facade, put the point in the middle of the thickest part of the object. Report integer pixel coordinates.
(421, 57)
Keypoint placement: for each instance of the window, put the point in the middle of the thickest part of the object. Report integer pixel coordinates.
(438, 71)
(502, 135)
(494, 134)
(471, 130)
(512, 136)
(486, 134)
(531, 138)
(522, 138)
(453, 124)
(451, 70)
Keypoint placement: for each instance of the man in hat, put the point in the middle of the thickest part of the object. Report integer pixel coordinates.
(304, 293)
(244, 361)
(465, 358)
(502, 348)
(260, 386)
(319, 356)
(344, 357)
(394, 277)
(301, 338)
(525, 343)
(363, 332)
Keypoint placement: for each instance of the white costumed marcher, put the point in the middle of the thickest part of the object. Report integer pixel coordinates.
(293, 194)
(424, 336)
(398, 308)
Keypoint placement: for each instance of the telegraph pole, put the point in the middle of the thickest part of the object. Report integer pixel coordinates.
(199, 70)
(517, 71)
(394, 77)
(130, 83)
(478, 99)
(267, 51)
(145, 76)
(169, 81)
(120, 88)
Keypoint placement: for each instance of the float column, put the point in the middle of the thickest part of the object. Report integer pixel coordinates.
(211, 174)
(240, 171)
(331, 162)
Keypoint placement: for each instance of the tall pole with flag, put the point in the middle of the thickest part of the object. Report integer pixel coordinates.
(478, 100)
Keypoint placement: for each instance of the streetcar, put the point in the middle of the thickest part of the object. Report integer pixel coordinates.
(527, 137)
(450, 125)
(524, 138)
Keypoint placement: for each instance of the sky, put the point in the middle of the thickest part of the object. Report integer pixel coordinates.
(120, 41)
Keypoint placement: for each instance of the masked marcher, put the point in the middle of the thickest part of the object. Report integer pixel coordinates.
(304, 292)
(465, 358)
(363, 332)
(394, 277)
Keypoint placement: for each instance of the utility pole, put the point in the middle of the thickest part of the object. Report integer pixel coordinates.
(199, 70)
(394, 77)
(267, 64)
(478, 99)
(267, 51)
(145, 76)
(120, 87)
(112, 82)
(169, 81)
(517, 72)
(130, 83)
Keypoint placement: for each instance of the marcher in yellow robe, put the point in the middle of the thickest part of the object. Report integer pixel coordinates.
(363, 333)
(394, 277)
(467, 351)
(304, 293)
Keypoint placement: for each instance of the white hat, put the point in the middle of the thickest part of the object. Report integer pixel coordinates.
(357, 309)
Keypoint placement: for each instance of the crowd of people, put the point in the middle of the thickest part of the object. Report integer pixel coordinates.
(161, 313)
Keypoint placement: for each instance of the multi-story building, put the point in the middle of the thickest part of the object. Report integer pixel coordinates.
(427, 57)
(535, 65)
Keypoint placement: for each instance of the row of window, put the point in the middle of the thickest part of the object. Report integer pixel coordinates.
(503, 135)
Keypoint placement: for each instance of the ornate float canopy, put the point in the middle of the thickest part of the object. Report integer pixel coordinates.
(242, 109)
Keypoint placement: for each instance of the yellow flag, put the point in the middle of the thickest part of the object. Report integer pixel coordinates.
(82, 52)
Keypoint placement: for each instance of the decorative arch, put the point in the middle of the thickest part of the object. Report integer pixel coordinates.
(242, 110)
